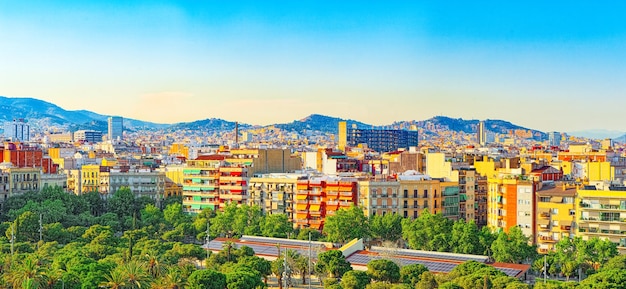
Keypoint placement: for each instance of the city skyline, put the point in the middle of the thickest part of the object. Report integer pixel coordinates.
(551, 68)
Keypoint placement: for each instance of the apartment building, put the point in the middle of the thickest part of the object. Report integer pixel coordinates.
(200, 182)
(274, 193)
(317, 198)
(380, 197)
(555, 216)
(510, 203)
(602, 214)
(419, 192)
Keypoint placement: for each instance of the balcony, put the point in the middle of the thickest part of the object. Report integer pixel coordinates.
(546, 239)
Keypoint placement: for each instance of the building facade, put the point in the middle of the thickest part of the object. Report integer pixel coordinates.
(115, 128)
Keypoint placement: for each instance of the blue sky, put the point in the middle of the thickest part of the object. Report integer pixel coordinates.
(555, 66)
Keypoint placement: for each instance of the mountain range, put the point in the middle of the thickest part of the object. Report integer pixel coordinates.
(44, 113)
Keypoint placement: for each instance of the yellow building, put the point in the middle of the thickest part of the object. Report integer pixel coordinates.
(555, 217)
(90, 178)
(486, 167)
(380, 198)
(598, 171)
(179, 149)
(602, 214)
(419, 192)
(342, 141)
(274, 193)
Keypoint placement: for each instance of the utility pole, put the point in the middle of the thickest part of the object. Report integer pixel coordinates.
(285, 268)
(208, 239)
(40, 227)
(545, 269)
(12, 238)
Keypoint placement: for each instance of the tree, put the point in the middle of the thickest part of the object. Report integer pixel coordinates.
(355, 280)
(174, 215)
(427, 281)
(206, 279)
(429, 232)
(276, 226)
(332, 263)
(383, 270)
(259, 264)
(303, 234)
(512, 247)
(410, 274)
(222, 224)
(465, 238)
(346, 225)
(386, 227)
(122, 203)
(247, 220)
(615, 263)
(243, 279)
(135, 274)
(605, 279)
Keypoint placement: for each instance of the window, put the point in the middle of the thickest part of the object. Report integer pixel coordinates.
(555, 211)
(414, 214)
(425, 193)
(544, 199)
(406, 193)
(572, 212)
(414, 193)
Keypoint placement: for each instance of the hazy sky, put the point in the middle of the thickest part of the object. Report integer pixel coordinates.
(548, 66)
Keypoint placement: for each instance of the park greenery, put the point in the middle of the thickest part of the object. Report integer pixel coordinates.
(53, 239)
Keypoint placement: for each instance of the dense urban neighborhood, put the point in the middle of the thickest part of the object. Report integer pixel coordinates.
(323, 202)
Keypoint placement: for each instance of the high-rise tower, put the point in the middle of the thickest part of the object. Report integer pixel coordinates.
(481, 136)
(116, 128)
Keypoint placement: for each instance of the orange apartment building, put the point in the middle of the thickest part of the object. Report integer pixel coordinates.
(511, 203)
(317, 198)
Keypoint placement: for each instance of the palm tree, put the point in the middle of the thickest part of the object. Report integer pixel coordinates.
(228, 247)
(27, 269)
(174, 279)
(154, 264)
(115, 280)
(135, 274)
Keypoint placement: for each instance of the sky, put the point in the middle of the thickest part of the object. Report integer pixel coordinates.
(557, 66)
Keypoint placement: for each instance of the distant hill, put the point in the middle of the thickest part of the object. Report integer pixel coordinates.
(210, 124)
(598, 134)
(42, 111)
(318, 122)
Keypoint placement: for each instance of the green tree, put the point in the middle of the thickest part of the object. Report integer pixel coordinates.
(410, 274)
(206, 279)
(427, 281)
(276, 226)
(174, 215)
(512, 247)
(605, 279)
(386, 227)
(259, 264)
(96, 204)
(429, 232)
(222, 224)
(247, 220)
(332, 263)
(122, 203)
(355, 280)
(615, 263)
(383, 270)
(303, 234)
(346, 225)
(465, 238)
(243, 279)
